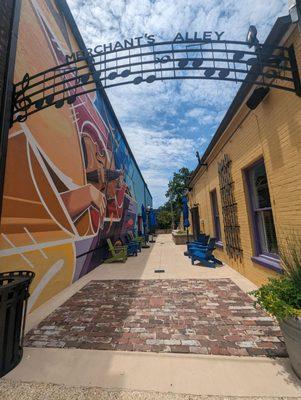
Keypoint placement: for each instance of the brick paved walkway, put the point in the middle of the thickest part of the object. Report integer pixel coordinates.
(179, 316)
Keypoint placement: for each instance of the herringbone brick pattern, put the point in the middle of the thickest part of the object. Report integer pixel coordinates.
(175, 316)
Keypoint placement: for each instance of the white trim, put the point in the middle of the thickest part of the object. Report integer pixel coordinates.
(18, 250)
(52, 271)
(34, 241)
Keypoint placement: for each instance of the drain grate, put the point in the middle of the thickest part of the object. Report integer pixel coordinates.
(159, 271)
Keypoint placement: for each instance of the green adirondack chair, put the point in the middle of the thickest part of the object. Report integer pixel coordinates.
(118, 253)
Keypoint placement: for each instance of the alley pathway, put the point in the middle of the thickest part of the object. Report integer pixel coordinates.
(188, 329)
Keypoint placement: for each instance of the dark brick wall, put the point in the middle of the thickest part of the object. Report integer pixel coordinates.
(6, 9)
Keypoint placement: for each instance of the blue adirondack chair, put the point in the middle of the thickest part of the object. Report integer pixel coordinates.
(197, 246)
(206, 257)
(133, 244)
(204, 254)
(132, 249)
(202, 241)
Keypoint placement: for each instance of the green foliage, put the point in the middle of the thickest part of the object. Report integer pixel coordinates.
(282, 297)
(290, 254)
(177, 185)
(164, 218)
(176, 189)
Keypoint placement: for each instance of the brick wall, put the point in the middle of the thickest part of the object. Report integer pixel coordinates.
(6, 9)
(272, 131)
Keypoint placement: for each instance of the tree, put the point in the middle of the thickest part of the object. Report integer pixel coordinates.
(164, 218)
(176, 190)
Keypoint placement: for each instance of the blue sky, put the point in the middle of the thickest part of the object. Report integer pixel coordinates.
(166, 122)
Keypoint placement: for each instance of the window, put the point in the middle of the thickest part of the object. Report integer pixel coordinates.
(215, 215)
(264, 229)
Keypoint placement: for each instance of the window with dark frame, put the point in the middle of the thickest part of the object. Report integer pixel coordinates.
(215, 215)
(262, 216)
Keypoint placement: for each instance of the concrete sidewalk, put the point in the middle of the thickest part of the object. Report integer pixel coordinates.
(134, 371)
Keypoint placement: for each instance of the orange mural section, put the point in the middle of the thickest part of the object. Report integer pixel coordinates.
(67, 185)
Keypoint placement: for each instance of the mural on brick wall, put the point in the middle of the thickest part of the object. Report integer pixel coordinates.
(70, 180)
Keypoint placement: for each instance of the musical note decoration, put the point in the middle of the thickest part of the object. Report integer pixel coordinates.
(39, 104)
(59, 103)
(22, 102)
(223, 73)
(252, 61)
(163, 59)
(218, 60)
(125, 73)
(209, 72)
(197, 62)
(112, 75)
(238, 55)
(150, 79)
(70, 100)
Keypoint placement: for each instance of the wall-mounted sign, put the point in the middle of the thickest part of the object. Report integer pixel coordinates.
(205, 55)
(145, 40)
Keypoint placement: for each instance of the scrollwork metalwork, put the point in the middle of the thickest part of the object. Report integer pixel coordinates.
(229, 209)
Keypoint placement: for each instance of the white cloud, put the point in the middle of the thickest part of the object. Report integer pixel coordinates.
(156, 150)
(186, 106)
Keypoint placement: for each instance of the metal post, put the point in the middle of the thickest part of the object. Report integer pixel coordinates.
(172, 216)
(9, 21)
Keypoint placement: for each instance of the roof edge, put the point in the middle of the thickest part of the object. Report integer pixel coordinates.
(63, 6)
(277, 32)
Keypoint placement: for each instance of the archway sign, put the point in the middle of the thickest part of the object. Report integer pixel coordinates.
(143, 59)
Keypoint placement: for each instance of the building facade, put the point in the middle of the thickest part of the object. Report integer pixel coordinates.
(248, 193)
(71, 180)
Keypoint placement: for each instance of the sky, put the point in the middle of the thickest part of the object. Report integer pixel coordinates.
(166, 122)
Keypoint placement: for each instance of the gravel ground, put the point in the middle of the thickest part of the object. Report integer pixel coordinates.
(34, 391)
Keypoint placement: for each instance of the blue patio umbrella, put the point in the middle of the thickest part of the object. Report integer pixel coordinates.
(144, 221)
(152, 223)
(185, 210)
(144, 218)
(152, 218)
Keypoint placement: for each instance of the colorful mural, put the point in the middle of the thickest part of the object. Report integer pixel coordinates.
(71, 181)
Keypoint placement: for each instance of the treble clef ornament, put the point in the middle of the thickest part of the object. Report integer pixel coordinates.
(22, 102)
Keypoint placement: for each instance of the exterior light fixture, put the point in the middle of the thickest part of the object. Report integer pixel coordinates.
(294, 7)
(257, 97)
(252, 37)
(295, 12)
(197, 154)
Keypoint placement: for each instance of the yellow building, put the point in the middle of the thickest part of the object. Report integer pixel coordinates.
(248, 192)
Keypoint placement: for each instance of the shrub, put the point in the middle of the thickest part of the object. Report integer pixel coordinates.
(290, 254)
(281, 297)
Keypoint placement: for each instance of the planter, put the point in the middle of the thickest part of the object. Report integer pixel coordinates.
(291, 329)
(181, 239)
(159, 231)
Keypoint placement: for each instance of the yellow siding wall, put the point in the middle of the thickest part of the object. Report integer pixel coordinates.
(271, 132)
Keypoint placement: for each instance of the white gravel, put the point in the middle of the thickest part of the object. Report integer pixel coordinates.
(37, 391)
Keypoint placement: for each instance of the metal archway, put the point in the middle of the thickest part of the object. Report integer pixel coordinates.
(182, 58)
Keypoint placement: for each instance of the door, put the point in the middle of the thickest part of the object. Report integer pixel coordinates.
(195, 222)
